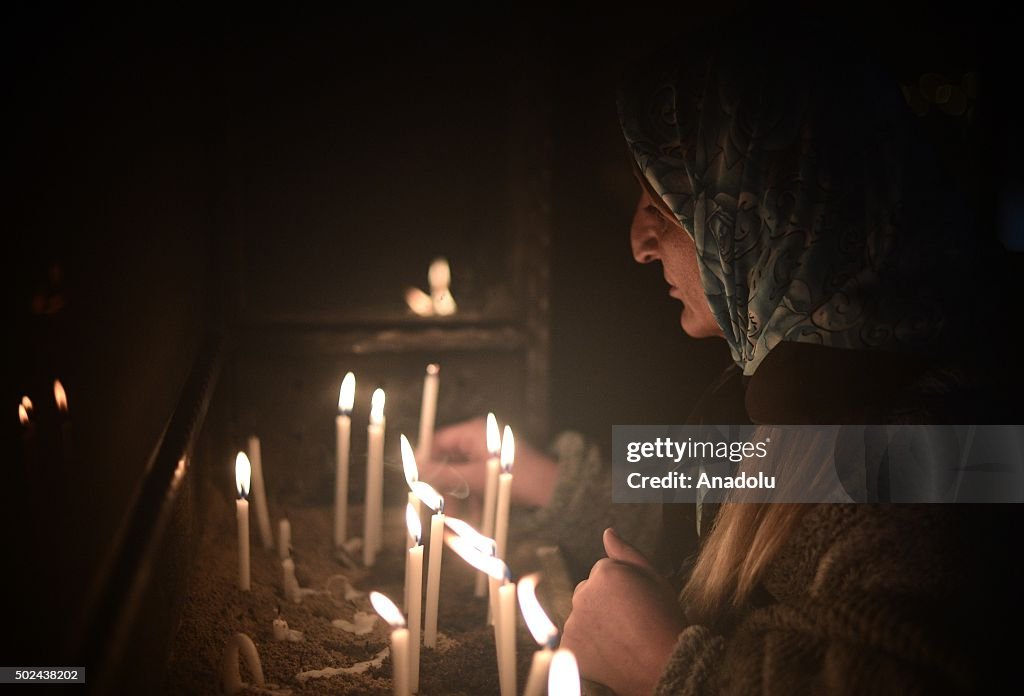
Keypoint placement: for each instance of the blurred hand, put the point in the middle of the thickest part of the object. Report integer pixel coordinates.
(624, 622)
(460, 453)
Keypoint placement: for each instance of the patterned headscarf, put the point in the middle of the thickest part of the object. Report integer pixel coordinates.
(819, 213)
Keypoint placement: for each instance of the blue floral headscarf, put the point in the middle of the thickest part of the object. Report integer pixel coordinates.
(819, 213)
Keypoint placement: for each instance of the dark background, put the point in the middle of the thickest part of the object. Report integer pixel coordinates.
(344, 152)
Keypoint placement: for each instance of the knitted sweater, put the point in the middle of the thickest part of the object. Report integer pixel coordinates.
(861, 600)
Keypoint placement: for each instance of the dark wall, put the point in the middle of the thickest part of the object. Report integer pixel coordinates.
(109, 255)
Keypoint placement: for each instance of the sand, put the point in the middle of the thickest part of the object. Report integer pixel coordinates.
(463, 663)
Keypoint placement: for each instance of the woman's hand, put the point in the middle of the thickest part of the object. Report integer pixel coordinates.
(460, 452)
(624, 622)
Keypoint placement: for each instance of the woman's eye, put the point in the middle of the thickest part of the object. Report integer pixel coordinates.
(654, 210)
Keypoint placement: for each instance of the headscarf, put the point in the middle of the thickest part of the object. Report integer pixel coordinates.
(819, 213)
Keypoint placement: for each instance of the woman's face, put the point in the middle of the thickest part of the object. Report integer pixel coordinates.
(656, 235)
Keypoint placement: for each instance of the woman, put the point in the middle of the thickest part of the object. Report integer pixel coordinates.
(800, 213)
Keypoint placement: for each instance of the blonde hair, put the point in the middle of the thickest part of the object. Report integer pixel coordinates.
(746, 536)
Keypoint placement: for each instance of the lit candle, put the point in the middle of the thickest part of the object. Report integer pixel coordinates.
(428, 410)
(412, 474)
(60, 396)
(439, 277)
(543, 631)
(399, 641)
(343, 439)
(373, 514)
(259, 494)
(490, 490)
(231, 678)
(433, 500)
(243, 471)
(564, 674)
(505, 618)
(414, 593)
(284, 538)
(508, 455)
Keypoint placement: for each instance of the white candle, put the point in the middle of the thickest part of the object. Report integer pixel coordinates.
(343, 439)
(433, 500)
(259, 494)
(243, 471)
(231, 678)
(290, 583)
(505, 628)
(411, 476)
(428, 410)
(399, 641)
(505, 616)
(542, 630)
(490, 491)
(280, 629)
(284, 538)
(508, 454)
(373, 514)
(564, 674)
(413, 595)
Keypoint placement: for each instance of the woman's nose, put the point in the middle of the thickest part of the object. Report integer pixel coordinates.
(643, 234)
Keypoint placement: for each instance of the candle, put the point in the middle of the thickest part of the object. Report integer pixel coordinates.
(259, 493)
(564, 674)
(508, 455)
(542, 630)
(433, 500)
(343, 439)
(411, 471)
(231, 678)
(399, 641)
(280, 629)
(373, 514)
(428, 410)
(413, 593)
(60, 396)
(243, 471)
(290, 583)
(505, 617)
(439, 277)
(490, 491)
(284, 538)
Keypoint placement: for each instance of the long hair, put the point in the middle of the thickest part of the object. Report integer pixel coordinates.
(747, 536)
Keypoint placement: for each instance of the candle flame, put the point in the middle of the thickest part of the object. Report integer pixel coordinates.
(377, 407)
(492, 566)
(347, 394)
(493, 435)
(22, 414)
(564, 674)
(481, 543)
(412, 472)
(387, 610)
(508, 450)
(439, 276)
(543, 631)
(27, 403)
(60, 396)
(412, 521)
(428, 496)
(243, 470)
(419, 302)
